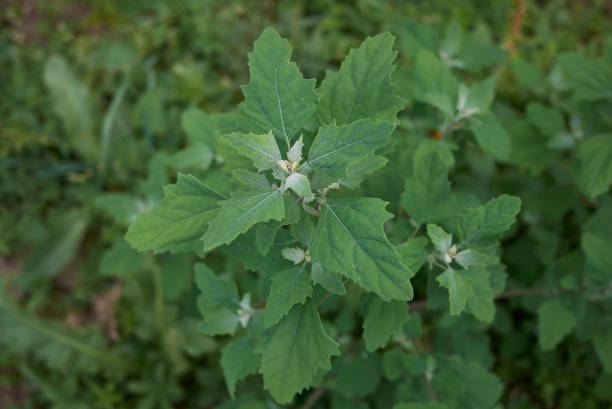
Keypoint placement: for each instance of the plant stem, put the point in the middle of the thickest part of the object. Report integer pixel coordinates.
(430, 390)
(421, 305)
(314, 397)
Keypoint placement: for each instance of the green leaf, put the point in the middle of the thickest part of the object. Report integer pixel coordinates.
(293, 210)
(485, 224)
(218, 302)
(492, 137)
(177, 222)
(238, 360)
(596, 239)
(478, 52)
(427, 189)
(251, 180)
(121, 259)
(242, 211)
(554, 323)
(465, 385)
(527, 75)
(592, 78)
(294, 155)
(433, 83)
(244, 249)
(476, 99)
(381, 320)
(459, 288)
(441, 239)
(414, 252)
(261, 149)
(220, 322)
(350, 240)
(331, 281)
(278, 98)
(597, 250)
(603, 347)
(199, 126)
(361, 88)
(451, 43)
(393, 363)
(548, 120)
(294, 350)
(300, 185)
(358, 170)
(595, 156)
(469, 257)
(294, 254)
(265, 233)
(288, 288)
(529, 146)
(198, 156)
(121, 207)
(303, 230)
(481, 300)
(54, 253)
(70, 100)
(415, 36)
(335, 148)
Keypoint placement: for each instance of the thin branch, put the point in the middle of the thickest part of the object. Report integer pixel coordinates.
(314, 397)
(430, 390)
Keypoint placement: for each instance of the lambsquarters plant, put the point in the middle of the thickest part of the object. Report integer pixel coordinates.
(297, 222)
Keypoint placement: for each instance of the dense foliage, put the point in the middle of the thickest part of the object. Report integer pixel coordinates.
(407, 206)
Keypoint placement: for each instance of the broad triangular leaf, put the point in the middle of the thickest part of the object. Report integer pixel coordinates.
(440, 239)
(337, 147)
(251, 180)
(433, 83)
(476, 99)
(300, 185)
(595, 165)
(492, 137)
(480, 302)
(381, 320)
(427, 189)
(486, 223)
(361, 88)
(358, 170)
(603, 346)
(265, 233)
(548, 120)
(554, 323)
(177, 222)
(595, 243)
(261, 149)
(330, 280)
(459, 288)
(592, 78)
(350, 240)
(294, 350)
(242, 211)
(238, 360)
(278, 98)
(288, 288)
(414, 252)
(218, 302)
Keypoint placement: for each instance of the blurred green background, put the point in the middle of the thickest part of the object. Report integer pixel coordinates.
(100, 107)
